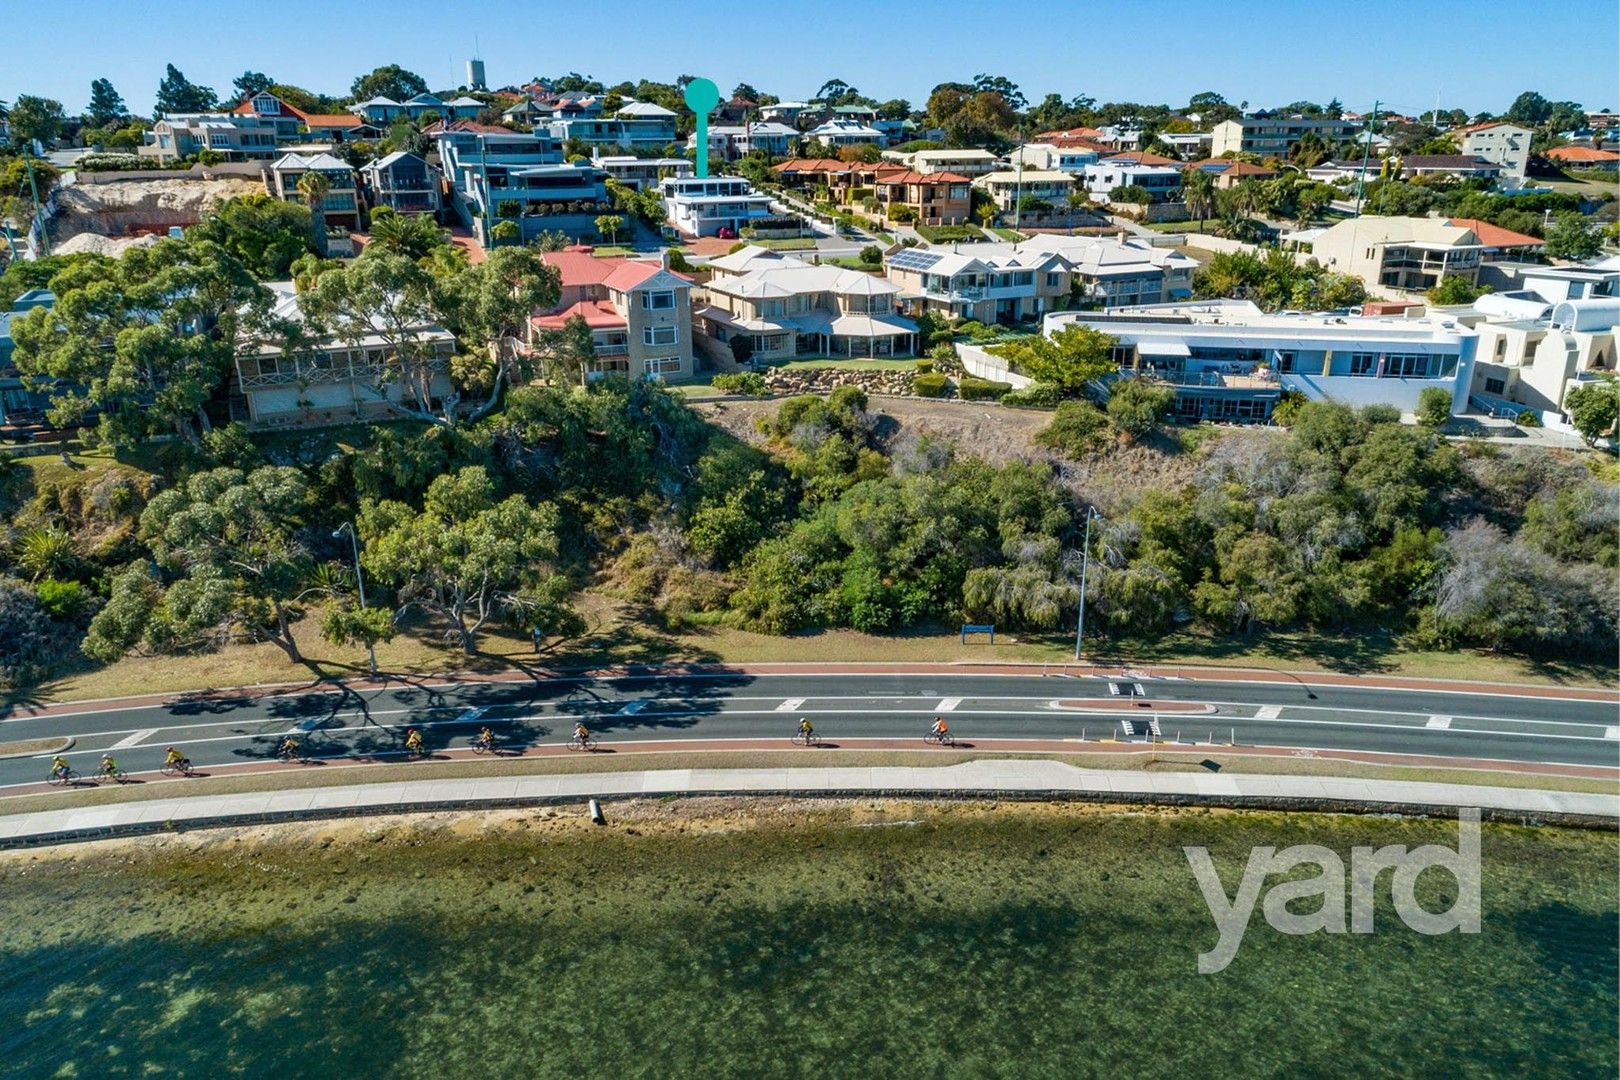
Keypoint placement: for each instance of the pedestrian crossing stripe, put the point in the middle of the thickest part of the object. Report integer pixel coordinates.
(1268, 712)
(948, 704)
(1439, 722)
(790, 704)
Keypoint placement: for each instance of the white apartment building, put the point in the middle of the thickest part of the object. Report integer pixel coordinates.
(1274, 136)
(1228, 360)
(732, 141)
(1107, 176)
(234, 137)
(1507, 145)
(1049, 158)
(970, 162)
(712, 205)
(847, 133)
(1008, 187)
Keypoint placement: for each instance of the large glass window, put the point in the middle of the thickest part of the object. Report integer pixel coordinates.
(660, 335)
(658, 301)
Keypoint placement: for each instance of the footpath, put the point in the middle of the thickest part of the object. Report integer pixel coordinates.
(999, 779)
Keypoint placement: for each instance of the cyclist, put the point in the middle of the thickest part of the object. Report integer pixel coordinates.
(806, 728)
(176, 758)
(413, 741)
(582, 734)
(109, 767)
(60, 767)
(288, 747)
(940, 728)
(487, 738)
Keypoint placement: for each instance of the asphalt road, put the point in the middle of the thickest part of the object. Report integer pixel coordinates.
(844, 708)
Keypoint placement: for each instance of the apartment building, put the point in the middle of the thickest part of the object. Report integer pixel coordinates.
(1399, 252)
(1103, 178)
(236, 138)
(785, 308)
(1006, 188)
(495, 175)
(1274, 136)
(341, 204)
(649, 133)
(712, 205)
(641, 173)
(970, 163)
(1507, 145)
(639, 313)
(1228, 360)
(403, 182)
(333, 380)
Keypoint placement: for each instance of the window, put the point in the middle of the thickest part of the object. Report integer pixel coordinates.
(663, 365)
(1501, 348)
(660, 335)
(1053, 280)
(1495, 386)
(658, 301)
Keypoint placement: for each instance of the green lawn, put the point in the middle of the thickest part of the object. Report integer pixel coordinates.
(608, 251)
(1008, 234)
(1175, 226)
(944, 234)
(803, 243)
(853, 264)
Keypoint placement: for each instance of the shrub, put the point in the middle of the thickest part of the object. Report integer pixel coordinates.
(1434, 407)
(971, 388)
(1287, 407)
(677, 261)
(743, 382)
(931, 385)
(1528, 418)
(900, 213)
(1381, 414)
(1137, 406)
(872, 255)
(1078, 428)
(1034, 396)
(925, 366)
(62, 599)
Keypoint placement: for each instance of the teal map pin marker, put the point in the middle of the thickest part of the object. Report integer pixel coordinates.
(701, 97)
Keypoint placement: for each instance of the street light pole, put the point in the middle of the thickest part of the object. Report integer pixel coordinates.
(1085, 564)
(359, 581)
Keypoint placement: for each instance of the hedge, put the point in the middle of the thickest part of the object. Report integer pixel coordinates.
(1037, 395)
(972, 388)
(931, 385)
(742, 382)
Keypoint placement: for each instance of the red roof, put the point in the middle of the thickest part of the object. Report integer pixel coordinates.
(1071, 133)
(245, 108)
(438, 127)
(579, 267)
(909, 177)
(1075, 142)
(333, 120)
(1494, 235)
(1582, 153)
(598, 315)
(813, 165)
(1229, 167)
(1142, 157)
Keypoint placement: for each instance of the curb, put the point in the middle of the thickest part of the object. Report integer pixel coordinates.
(67, 743)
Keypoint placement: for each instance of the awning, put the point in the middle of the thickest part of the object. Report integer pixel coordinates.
(1163, 348)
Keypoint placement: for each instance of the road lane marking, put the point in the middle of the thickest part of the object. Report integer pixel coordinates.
(631, 708)
(135, 738)
(789, 705)
(948, 704)
(1440, 722)
(1612, 733)
(1268, 712)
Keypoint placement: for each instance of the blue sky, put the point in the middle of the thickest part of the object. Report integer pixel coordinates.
(1476, 55)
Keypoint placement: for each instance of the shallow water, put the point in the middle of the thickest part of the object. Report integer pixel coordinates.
(1050, 942)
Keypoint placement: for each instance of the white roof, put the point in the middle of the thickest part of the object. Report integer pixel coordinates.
(311, 161)
(1029, 176)
(378, 100)
(1374, 229)
(425, 99)
(647, 110)
(844, 127)
(767, 274)
(389, 160)
(465, 100)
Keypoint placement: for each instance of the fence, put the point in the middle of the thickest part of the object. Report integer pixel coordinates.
(986, 365)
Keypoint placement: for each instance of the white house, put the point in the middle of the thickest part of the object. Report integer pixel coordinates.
(847, 133)
(712, 205)
(1508, 145)
(1103, 178)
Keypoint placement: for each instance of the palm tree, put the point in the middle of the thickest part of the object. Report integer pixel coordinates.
(1198, 192)
(313, 186)
(412, 235)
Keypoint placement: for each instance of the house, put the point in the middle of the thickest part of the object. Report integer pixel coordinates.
(1048, 157)
(712, 205)
(1539, 342)
(846, 133)
(286, 121)
(729, 142)
(967, 162)
(1114, 273)
(1229, 173)
(645, 110)
(495, 174)
(236, 138)
(1584, 157)
(940, 198)
(1399, 252)
(1090, 134)
(19, 403)
(990, 283)
(1332, 171)
(639, 173)
(463, 108)
(783, 307)
(1103, 178)
(812, 172)
(525, 113)
(1228, 360)
(341, 204)
(1006, 188)
(1497, 243)
(629, 134)
(339, 128)
(1508, 145)
(379, 110)
(1461, 166)
(403, 182)
(335, 380)
(1188, 143)
(1142, 157)
(786, 112)
(1274, 136)
(639, 313)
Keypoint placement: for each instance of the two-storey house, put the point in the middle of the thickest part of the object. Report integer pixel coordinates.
(712, 205)
(341, 204)
(639, 313)
(403, 182)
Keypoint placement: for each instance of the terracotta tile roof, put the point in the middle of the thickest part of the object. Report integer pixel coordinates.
(813, 165)
(579, 267)
(1228, 167)
(333, 120)
(245, 108)
(632, 272)
(909, 177)
(1071, 133)
(1075, 142)
(439, 127)
(1481, 127)
(1142, 157)
(1494, 235)
(1582, 153)
(598, 315)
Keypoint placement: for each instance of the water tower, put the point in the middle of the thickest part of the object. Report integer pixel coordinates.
(475, 75)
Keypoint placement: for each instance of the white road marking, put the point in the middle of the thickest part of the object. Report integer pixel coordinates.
(1130, 728)
(631, 708)
(1612, 733)
(790, 704)
(136, 738)
(1268, 712)
(1113, 688)
(1441, 722)
(1139, 691)
(948, 704)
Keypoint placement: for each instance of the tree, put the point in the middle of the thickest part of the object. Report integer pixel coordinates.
(414, 236)
(251, 83)
(1000, 84)
(177, 94)
(1068, 359)
(609, 224)
(1456, 289)
(313, 188)
(38, 118)
(1137, 406)
(1572, 237)
(744, 92)
(1434, 407)
(466, 558)
(505, 232)
(228, 562)
(1593, 408)
(569, 351)
(146, 339)
(266, 234)
(488, 307)
(1530, 109)
(389, 81)
(1198, 192)
(985, 212)
(106, 106)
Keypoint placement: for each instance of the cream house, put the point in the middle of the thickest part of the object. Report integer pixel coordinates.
(1399, 252)
(639, 313)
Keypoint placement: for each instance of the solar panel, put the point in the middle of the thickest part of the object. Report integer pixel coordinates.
(914, 260)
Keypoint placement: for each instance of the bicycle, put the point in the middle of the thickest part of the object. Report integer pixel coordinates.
(939, 738)
(177, 768)
(113, 773)
(483, 746)
(805, 738)
(291, 752)
(64, 777)
(585, 743)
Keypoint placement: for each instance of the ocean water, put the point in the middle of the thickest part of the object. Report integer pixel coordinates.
(1041, 941)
